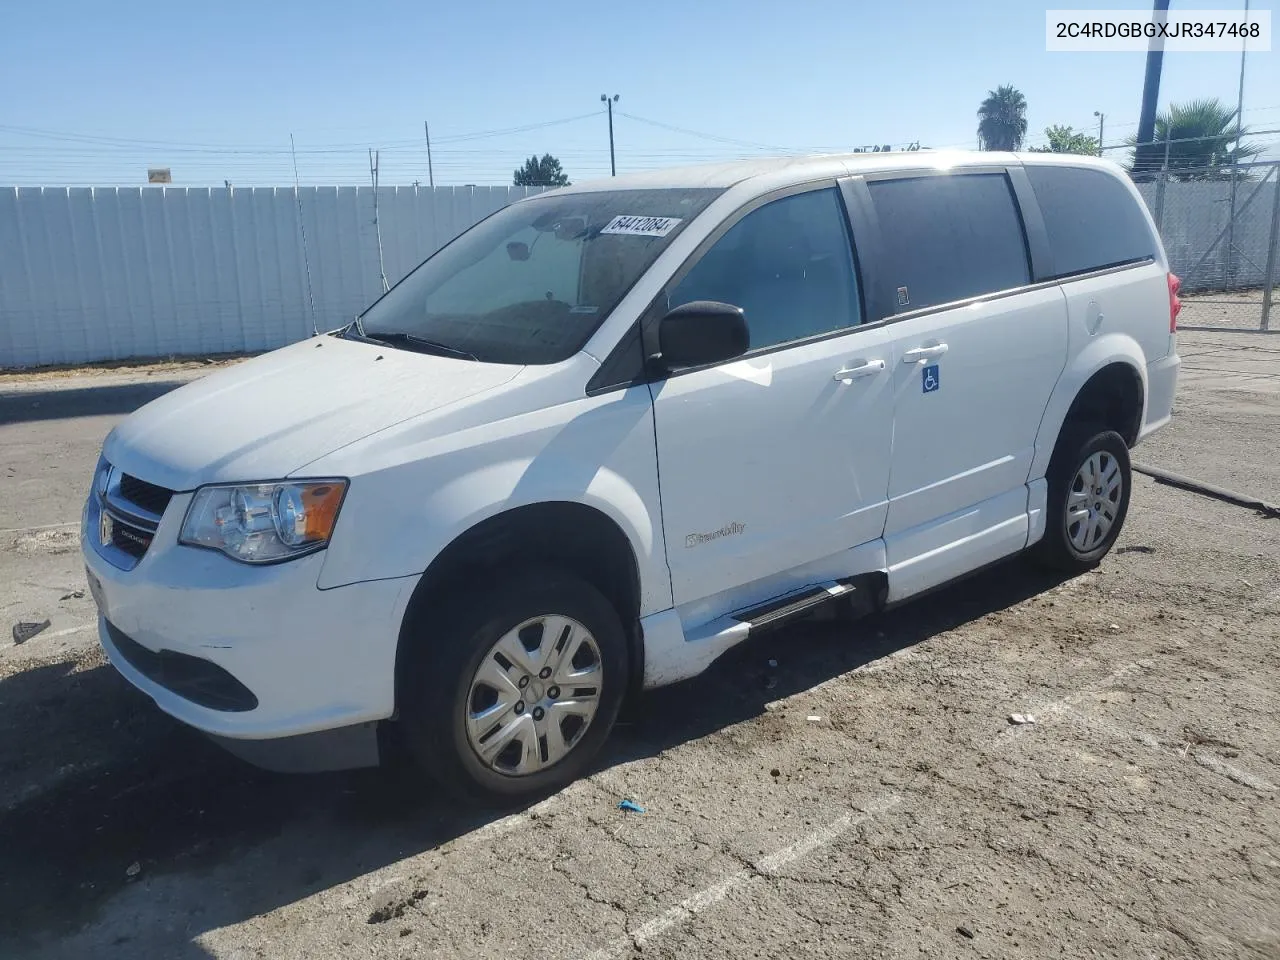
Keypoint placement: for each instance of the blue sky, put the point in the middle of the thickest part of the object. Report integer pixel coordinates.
(213, 91)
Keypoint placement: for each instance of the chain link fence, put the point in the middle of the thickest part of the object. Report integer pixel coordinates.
(1221, 235)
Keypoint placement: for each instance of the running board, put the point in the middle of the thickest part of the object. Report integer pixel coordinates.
(703, 644)
(775, 613)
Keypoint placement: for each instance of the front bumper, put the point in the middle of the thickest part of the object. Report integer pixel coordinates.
(311, 660)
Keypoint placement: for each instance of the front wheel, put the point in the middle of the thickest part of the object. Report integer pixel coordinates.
(1089, 484)
(511, 691)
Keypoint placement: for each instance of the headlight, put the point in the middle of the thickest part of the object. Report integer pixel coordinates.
(264, 522)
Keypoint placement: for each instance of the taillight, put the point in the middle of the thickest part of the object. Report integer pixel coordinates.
(1175, 305)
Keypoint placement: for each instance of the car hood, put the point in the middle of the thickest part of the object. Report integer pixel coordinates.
(267, 417)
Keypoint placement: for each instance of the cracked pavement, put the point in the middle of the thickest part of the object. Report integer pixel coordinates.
(1137, 817)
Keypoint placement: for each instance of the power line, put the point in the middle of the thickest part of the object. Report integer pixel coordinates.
(102, 141)
(74, 163)
(705, 136)
(510, 130)
(195, 146)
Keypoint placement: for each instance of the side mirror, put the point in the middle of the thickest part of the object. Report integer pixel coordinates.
(518, 251)
(704, 331)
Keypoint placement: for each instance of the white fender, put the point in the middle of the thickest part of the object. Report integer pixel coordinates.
(413, 492)
(1105, 350)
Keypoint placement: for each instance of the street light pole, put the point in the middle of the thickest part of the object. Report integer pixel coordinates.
(1101, 118)
(609, 102)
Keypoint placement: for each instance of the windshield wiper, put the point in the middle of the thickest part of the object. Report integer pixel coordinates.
(409, 341)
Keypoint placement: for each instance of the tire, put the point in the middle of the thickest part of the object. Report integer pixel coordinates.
(1081, 524)
(487, 732)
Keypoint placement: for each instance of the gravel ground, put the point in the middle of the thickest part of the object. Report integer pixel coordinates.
(867, 796)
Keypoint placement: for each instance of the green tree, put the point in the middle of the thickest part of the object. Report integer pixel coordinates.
(544, 172)
(1202, 140)
(1066, 140)
(1002, 119)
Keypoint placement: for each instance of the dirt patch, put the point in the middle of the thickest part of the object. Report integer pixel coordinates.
(392, 904)
(139, 367)
(36, 542)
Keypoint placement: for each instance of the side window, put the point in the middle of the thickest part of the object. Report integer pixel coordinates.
(949, 237)
(1091, 219)
(788, 265)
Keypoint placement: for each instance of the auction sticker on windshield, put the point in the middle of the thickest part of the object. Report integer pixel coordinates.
(641, 226)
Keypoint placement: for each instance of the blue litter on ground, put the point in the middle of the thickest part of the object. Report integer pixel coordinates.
(630, 806)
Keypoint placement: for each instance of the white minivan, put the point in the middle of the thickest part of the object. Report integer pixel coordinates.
(614, 429)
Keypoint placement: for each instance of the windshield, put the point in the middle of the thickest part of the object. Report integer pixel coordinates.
(531, 283)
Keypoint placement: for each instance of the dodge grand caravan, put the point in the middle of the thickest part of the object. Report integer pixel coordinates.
(613, 430)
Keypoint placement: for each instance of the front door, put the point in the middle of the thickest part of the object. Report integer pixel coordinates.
(780, 457)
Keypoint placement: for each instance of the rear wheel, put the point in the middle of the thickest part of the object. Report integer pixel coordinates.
(509, 693)
(1089, 484)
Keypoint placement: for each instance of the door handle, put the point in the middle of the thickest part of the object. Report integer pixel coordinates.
(867, 368)
(924, 353)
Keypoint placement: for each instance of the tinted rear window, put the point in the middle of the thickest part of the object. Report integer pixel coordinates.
(1091, 219)
(948, 238)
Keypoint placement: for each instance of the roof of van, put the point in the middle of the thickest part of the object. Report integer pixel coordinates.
(802, 168)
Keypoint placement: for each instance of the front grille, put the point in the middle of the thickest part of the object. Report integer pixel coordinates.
(191, 678)
(131, 511)
(145, 495)
(132, 540)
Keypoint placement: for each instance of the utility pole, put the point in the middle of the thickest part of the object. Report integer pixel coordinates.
(613, 167)
(1143, 159)
(1101, 119)
(1235, 157)
(431, 174)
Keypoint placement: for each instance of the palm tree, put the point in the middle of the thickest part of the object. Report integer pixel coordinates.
(1002, 119)
(1202, 141)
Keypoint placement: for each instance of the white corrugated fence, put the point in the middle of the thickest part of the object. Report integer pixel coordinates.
(108, 273)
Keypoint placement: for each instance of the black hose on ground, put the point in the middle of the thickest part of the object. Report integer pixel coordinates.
(1209, 490)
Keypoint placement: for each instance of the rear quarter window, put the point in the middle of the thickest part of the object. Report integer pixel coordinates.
(1092, 221)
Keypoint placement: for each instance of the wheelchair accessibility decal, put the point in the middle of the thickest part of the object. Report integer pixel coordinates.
(929, 378)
